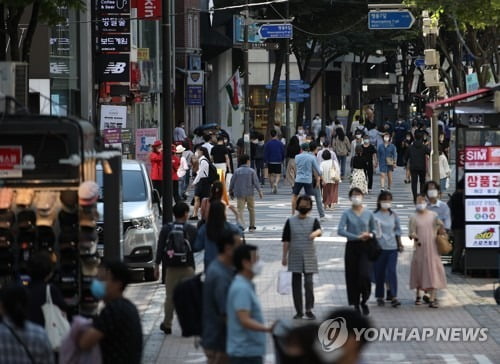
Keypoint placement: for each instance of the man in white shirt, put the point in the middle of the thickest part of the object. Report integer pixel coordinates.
(208, 145)
(179, 132)
(316, 125)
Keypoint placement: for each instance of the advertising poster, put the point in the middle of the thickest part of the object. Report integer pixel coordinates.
(482, 236)
(11, 161)
(113, 117)
(482, 158)
(482, 184)
(112, 138)
(482, 210)
(143, 140)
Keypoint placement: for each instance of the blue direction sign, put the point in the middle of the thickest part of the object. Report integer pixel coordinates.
(276, 31)
(419, 62)
(390, 19)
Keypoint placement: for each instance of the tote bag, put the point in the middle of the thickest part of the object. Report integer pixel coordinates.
(56, 324)
(284, 282)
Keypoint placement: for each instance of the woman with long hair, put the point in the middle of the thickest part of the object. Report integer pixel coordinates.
(292, 149)
(341, 146)
(216, 194)
(358, 168)
(201, 182)
(330, 171)
(209, 232)
(389, 238)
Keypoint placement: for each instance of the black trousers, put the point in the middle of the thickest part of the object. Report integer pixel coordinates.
(357, 272)
(417, 176)
(175, 191)
(369, 174)
(297, 291)
(158, 185)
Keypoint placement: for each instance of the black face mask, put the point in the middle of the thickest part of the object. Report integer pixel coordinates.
(304, 210)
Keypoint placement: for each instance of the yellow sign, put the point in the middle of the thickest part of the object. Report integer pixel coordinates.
(143, 54)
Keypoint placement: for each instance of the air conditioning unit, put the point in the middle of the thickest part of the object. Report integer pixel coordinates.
(431, 78)
(431, 57)
(14, 82)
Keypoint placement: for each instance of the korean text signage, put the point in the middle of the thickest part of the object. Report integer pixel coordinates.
(113, 68)
(114, 24)
(482, 210)
(482, 236)
(482, 184)
(482, 158)
(113, 6)
(149, 9)
(118, 42)
(113, 116)
(11, 161)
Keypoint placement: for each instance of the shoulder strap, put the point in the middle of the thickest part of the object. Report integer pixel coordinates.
(18, 339)
(48, 296)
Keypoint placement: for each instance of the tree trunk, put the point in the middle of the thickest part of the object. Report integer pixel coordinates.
(271, 114)
(12, 28)
(30, 32)
(3, 34)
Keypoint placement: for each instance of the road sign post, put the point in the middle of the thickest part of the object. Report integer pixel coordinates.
(390, 19)
(276, 31)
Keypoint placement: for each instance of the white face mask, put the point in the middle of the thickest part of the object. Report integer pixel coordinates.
(386, 139)
(358, 136)
(386, 205)
(257, 268)
(432, 193)
(421, 206)
(366, 141)
(356, 200)
(301, 131)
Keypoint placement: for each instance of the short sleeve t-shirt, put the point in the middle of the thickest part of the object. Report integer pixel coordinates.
(219, 153)
(120, 323)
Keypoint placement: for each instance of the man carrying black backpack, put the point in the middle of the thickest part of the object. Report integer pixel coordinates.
(175, 253)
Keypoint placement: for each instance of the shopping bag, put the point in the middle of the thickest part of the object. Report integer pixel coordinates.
(228, 180)
(284, 282)
(56, 324)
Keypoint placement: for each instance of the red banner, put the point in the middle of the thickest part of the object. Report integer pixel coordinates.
(149, 9)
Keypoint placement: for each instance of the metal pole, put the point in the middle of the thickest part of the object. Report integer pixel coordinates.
(287, 80)
(246, 120)
(167, 119)
(435, 148)
(113, 234)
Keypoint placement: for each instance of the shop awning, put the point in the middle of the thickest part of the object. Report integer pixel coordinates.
(432, 106)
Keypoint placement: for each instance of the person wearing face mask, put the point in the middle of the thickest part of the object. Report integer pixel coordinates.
(432, 191)
(389, 238)
(444, 144)
(387, 157)
(218, 278)
(117, 329)
(400, 130)
(358, 168)
(357, 141)
(156, 161)
(201, 182)
(426, 272)
(301, 134)
(408, 140)
(416, 157)
(246, 339)
(341, 146)
(358, 225)
(299, 254)
(370, 156)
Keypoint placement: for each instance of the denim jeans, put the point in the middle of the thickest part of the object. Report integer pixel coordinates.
(342, 160)
(385, 271)
(319, 201)
(184, 182)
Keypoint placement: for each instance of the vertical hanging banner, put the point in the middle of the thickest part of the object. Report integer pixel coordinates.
(149, 9)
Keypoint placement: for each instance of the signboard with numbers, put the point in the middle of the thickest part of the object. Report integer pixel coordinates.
(482, 236)
(482, 184)
(482, 210)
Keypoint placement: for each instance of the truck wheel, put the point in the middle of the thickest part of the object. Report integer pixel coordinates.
(149, 274)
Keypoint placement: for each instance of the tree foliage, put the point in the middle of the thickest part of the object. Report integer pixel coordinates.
(38, 11)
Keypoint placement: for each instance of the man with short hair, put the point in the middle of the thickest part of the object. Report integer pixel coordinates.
(246, 340)
(305, 163)
(416, 156)
(242, 185)
(218, 278)
(179, 132)
(274, 154)
(208, 143)
(118, 328)
(174, 273)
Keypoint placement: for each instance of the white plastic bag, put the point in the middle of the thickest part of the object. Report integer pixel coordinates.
(284, 282)
(56, 324)
(228, 180)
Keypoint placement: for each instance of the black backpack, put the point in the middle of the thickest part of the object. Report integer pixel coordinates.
(178, 248)
(212, 173)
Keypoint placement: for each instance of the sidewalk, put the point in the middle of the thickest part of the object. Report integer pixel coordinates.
(465, 303)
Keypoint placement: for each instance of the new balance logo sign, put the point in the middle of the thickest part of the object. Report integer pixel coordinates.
(115, 68)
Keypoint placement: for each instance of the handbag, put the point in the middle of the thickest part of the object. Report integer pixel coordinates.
(443, 244)
(335, 172)
(56, 324)
(389, 161)
(284, 282)
(373, 249)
